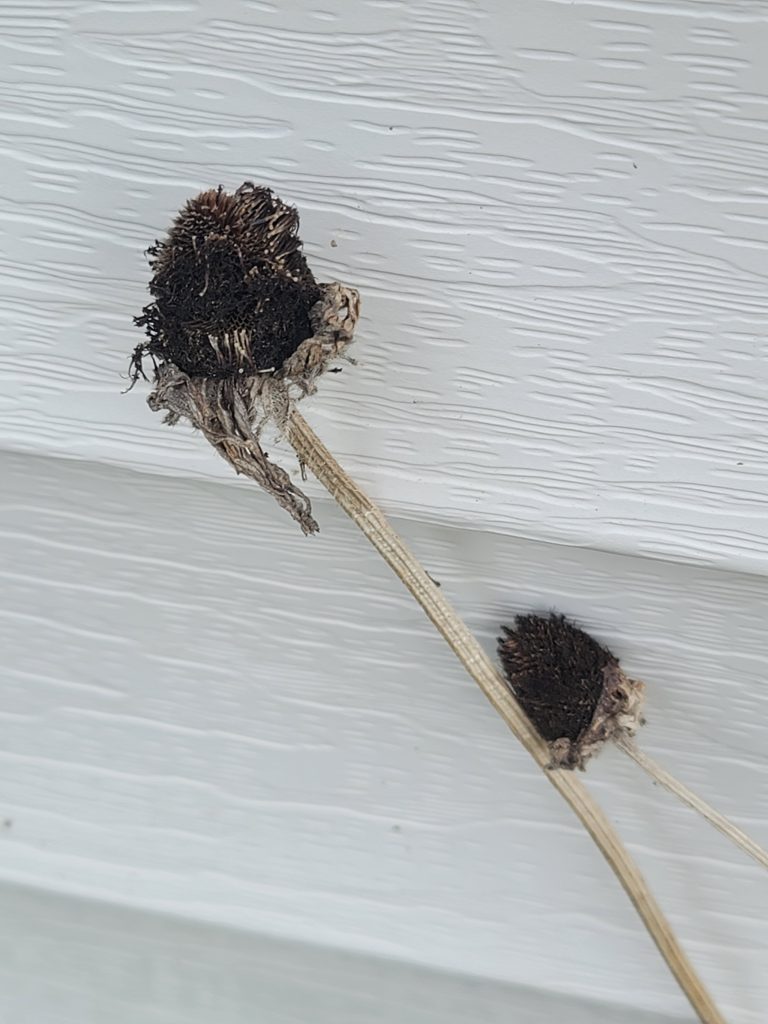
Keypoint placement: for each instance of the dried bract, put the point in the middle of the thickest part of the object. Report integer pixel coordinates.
(572, 689)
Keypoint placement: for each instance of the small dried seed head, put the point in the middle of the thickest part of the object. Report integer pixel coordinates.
(556, 672)
(232, 289)
(572, 689)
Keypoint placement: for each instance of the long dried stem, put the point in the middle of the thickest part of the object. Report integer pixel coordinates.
(372, 522)
(669, 782)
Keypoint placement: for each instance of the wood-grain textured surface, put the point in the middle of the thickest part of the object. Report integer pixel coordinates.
(207, 714)
(556, 213)
(66, 961)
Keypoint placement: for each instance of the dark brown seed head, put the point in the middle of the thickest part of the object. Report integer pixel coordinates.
(232, 289)
(571, 687)
(556, 672)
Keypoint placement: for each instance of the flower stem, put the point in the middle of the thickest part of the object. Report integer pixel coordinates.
(373, 524)
(669, 782)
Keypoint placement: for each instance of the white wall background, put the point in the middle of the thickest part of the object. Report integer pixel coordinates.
(210, 715)
(556, 213)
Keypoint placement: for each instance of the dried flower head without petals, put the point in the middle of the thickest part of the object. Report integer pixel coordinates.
(238, 328)
(572, 688)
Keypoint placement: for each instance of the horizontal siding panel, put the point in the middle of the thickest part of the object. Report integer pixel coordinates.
(206, 714)
(555, 213)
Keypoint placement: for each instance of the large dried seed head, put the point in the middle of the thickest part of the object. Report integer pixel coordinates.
(572, 689)
(239, 329)
(232, 289)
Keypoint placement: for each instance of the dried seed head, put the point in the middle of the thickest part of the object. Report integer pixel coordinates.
(232, 289)
(240, 330)
(571, 688)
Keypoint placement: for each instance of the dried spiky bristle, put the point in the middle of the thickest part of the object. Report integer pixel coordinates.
(231, 286)
(570, 686)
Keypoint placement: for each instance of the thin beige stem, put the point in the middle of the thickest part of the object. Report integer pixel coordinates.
(720, 822)
(373, 524)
